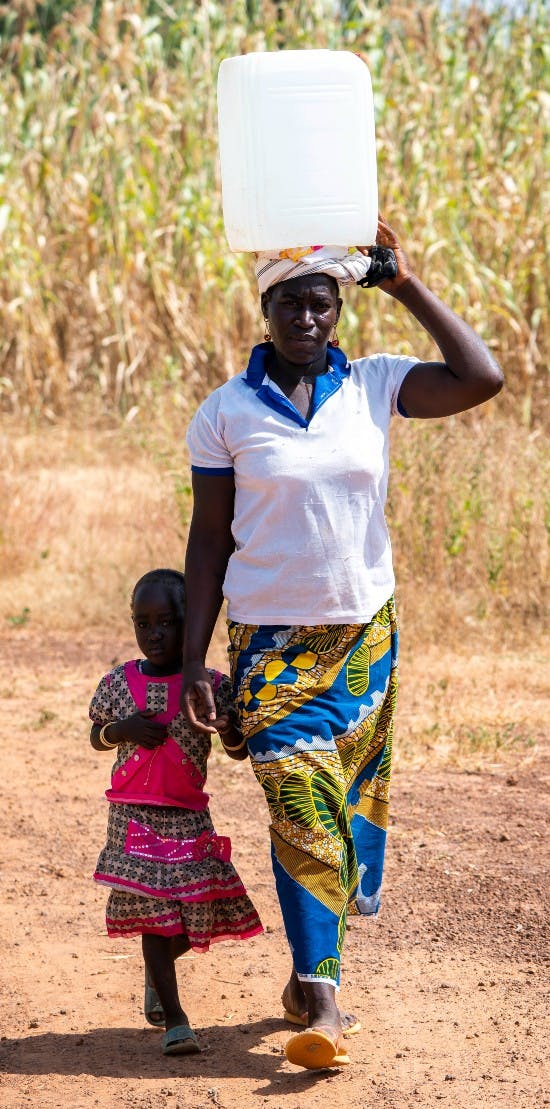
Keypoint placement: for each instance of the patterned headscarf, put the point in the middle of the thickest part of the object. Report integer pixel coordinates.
(346, 264)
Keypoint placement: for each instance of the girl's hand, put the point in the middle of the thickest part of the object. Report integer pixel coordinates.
(139, 728)
(231, 736)
(197, 698)
(225, 728)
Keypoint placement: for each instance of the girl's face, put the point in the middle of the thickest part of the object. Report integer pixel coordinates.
(158, 628)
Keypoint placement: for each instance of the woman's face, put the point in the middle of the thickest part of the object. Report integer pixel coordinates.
(302, 313)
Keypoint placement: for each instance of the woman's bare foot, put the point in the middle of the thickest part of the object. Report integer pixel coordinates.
(293, 997)
(296, 1010)
(321, 1044)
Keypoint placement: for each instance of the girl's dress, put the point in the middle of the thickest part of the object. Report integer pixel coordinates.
(169, 872)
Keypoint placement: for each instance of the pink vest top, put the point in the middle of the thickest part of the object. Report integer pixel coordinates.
(164, 775)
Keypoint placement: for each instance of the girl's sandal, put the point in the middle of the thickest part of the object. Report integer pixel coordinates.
(180, 1040)
(152, 1008)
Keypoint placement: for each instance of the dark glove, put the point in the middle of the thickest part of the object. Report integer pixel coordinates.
(383, 265)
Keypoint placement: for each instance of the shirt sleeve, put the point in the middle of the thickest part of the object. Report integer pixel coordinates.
(207, 449)
(101, 705)
(398, 368)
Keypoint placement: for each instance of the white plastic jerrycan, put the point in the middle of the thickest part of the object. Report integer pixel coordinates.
(297, 150)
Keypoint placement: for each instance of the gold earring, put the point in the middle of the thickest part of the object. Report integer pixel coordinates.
(267, 336)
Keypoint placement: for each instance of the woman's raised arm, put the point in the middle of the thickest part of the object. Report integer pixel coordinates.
(469, 374)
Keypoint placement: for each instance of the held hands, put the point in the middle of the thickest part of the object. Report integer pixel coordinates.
(198, 705)
(197, 698)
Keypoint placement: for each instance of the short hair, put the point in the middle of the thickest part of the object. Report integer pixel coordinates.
(174, 581)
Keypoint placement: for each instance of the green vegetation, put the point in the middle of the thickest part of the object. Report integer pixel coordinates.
(119, 295)
(116, 273)
(20, 618)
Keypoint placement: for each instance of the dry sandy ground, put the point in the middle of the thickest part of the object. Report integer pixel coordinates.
(448, 981)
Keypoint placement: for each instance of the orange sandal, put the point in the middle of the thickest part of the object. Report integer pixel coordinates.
(315, 1050)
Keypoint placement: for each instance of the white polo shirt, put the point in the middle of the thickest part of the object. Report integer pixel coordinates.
(311, 541)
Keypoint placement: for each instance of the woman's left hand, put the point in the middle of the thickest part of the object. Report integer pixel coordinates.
(386, 236)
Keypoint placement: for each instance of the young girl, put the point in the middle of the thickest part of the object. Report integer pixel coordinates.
(170, 875)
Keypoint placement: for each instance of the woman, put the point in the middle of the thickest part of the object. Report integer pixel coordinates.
(290, 471)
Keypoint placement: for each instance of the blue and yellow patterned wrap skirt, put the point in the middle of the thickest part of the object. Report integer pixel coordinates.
(316, 705)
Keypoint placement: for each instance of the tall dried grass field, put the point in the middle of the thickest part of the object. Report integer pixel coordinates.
(117, 282)
(121, 306)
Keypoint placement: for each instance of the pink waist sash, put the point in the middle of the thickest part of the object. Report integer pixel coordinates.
(142, 842)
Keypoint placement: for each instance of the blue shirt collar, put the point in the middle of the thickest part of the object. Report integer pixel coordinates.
(324, 386)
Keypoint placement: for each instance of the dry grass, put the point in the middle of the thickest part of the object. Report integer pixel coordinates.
(120, 304)
(465, 703)
(117, 282)
(85, 516)
(469, 510)
(86, 512)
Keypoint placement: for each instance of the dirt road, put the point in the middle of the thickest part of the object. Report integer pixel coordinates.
(448, 981)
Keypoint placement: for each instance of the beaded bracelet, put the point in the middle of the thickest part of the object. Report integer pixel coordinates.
(105, 742)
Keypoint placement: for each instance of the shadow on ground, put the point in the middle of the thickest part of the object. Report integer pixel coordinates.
(129, 1053)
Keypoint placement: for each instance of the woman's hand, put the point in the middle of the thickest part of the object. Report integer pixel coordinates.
(197, 698)
(385, 236)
